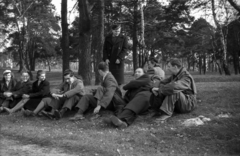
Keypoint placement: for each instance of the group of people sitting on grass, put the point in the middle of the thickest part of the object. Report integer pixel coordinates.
(148, 91)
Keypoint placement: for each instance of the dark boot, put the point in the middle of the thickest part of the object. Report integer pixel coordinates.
(59, 114)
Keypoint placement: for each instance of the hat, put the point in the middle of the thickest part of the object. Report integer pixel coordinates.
(115, 27)
(6, 71)
(151, 71)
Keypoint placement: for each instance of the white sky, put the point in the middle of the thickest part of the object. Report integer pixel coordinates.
(71, 4)
(74, 12)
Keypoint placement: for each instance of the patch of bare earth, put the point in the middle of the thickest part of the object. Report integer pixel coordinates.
(11, 147)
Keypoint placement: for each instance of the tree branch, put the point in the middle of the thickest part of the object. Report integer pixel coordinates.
(234, 5)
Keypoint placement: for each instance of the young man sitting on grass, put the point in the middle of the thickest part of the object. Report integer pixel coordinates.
(63, 97)
(176, 93)
(107, 96)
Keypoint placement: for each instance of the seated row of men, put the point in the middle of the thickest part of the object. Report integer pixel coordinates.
(147, 90)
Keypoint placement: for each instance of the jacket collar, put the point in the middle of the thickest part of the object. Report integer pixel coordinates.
(119, 38)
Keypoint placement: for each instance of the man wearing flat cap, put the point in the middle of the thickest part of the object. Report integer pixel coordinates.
(114, 51)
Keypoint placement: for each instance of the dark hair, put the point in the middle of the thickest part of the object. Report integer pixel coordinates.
(68, 72)
(39, 72)
(153, 60)
(115, 26)
(175, 62)
(103, 66)
(24, 71)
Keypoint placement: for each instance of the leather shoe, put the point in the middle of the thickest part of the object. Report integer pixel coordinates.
(119, 123)
(57, 114)
(28, 113)
(7, 110)
(48, 115)
(162, 118)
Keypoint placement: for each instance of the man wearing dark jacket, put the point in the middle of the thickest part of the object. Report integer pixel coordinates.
(136, 97)
(107, 96)
(176, 93)
(114, 51)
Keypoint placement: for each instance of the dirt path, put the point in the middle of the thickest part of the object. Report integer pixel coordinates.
(15, 148)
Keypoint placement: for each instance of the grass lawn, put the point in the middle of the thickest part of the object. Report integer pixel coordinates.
(220, 136)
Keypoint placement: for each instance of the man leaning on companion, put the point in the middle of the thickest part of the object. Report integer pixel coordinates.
(176, 93)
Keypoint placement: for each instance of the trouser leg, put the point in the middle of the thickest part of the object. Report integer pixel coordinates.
(56, 104)
(86, 102)
(40, 107)
(19, 105)
(71, 102)
(169, 102)
(184, 104)
(156, 101)
(127, 115)
(5, 104)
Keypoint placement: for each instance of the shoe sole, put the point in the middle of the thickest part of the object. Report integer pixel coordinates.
(162, 119)
(117, 122)
(47, 115)
(77, 118)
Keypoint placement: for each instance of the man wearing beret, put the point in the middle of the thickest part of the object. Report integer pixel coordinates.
(114, 52)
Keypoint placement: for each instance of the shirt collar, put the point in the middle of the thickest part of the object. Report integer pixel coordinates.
(105, 75)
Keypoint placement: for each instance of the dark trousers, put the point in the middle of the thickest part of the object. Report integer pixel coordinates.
(90, 101)
(86, 102)
(128, 116)
(178, 102)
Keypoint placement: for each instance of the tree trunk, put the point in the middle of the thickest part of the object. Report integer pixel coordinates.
(85, 41)
(200, 65)
(134, 48)
(204, 64)
(234, 5)
(139, 57)
(49, 64)
(65, 37)
(100, 36)
(223, 41)
(188, 62)
(31, 54)
(142, 41)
